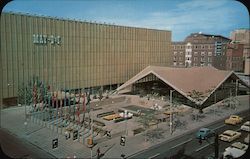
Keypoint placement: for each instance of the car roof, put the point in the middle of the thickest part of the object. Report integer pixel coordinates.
(247, 122)
(239, 145)
(204, 129)
(229, 131)
(234, 116)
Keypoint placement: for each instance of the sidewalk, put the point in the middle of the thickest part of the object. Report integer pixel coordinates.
(13, 120)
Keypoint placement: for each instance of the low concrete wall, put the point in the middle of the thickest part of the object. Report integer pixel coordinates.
(107, 101)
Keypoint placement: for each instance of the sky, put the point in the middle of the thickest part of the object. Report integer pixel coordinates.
(182, 17)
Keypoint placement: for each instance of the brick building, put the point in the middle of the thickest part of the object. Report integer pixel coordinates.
(200, 50)
(242, 36)
(235, 58)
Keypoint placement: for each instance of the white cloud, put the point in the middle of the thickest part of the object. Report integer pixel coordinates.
(208, 4)
(196, 15)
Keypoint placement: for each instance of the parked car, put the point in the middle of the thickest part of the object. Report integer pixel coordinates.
(229, 135)
(246, 126)
(233, 120)
(204, 133)
(246, 140)
(240, 146)
(236, 150)
(232, 152)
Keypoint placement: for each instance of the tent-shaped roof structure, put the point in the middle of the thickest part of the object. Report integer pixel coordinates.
(186, 80)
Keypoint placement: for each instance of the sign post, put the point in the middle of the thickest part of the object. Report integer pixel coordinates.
(122, 141)
(54, 143)
(75, 135)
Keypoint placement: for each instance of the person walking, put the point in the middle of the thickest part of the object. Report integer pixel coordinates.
(98, 153)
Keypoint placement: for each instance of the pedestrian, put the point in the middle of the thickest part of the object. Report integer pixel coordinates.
(66, 135)
(98, 152)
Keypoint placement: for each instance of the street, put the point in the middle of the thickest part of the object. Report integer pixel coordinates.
(190, 146)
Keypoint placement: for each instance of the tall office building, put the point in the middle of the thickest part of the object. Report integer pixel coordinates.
(70, 54)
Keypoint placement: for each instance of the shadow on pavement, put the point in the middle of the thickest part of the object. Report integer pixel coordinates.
(3, 155)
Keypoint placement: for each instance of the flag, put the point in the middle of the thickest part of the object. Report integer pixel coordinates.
(74, 111)
(78, 115)
(41, 95)
(83, 103)
(61, 103)
(34, 93)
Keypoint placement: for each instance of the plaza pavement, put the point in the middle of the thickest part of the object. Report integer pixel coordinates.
(13, 119)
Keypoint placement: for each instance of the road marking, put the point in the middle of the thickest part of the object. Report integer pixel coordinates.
(154, 156)
(219, 127)
(203, 147)
(181, 143)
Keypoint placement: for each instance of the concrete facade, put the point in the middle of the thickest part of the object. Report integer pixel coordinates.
(69, 54)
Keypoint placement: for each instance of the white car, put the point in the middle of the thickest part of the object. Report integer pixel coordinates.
(240, 146)
(232, 152)
(246, 126)
(236, 150)
(246, 140)
(229, 135)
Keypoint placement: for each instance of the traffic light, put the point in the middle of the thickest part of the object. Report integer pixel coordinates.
(122, 142)
(54, 143)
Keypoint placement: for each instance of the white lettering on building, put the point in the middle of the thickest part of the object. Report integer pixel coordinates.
(44, 39)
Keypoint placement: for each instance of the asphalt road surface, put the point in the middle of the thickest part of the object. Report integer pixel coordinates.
(13, 147)
(189, 145)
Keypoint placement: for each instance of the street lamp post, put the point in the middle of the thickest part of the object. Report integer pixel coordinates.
(214, 102)
(236, 87)
(171, 103)
(126, 116)
(230, 105)
(25, 125)
(91, 153)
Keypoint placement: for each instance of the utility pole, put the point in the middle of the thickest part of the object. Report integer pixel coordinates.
(171, 121)
(214, 101)
(230, 101)
(25, 110)
(216, 146)
(236, 87)
(126, 118)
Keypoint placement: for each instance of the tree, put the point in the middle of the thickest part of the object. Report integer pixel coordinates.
(231, 102)
(24, 95)
(146, 121)
(32, 92)
(100, 94)
(198, 97)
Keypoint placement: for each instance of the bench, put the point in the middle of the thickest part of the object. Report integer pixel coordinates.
(105, 114)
